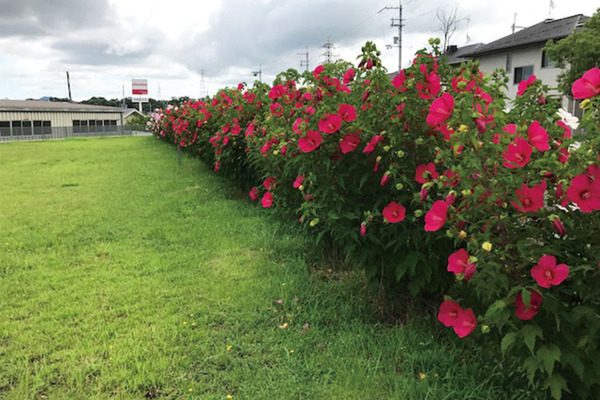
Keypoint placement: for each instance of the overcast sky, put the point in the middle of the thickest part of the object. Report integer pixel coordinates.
(105, 43)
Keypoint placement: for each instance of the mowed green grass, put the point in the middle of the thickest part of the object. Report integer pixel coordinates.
(126, 276)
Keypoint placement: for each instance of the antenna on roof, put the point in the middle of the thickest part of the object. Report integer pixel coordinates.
(514, 25)
(550, 7)
(468, 23)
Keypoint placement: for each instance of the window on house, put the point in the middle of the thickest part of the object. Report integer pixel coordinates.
(4, 128)
(547, 62)
(522, 73)
(508, 68)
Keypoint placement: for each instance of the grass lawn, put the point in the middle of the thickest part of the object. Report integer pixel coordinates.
(125, 276)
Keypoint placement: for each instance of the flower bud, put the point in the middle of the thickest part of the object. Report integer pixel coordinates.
(418, 213)
(462, 235)
(399, 186)
(559, 227)
(485, 329)
(450, 199)
(363, 230)
(400, 153)
(386, 148)
(487, 246)
(378, 159)
(314, 222)
(423, 194)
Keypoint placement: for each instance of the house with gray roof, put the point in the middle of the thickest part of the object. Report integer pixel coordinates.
(521, 54)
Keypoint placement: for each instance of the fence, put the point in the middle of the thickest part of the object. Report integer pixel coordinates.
(64, 132)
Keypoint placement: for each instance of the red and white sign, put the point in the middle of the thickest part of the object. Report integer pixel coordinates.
(139, 87)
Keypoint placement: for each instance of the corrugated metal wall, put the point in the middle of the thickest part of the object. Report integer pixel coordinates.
(58, 118)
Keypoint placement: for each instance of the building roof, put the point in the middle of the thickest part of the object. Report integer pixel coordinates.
(128, 111)
(550, 29)
(53, 106)
(456, 55)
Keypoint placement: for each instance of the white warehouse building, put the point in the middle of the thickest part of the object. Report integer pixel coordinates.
(27, 118)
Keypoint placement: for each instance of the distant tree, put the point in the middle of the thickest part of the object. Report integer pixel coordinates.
(448, 21)
(576, 53)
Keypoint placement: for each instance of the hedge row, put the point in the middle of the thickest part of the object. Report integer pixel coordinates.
(432, 184)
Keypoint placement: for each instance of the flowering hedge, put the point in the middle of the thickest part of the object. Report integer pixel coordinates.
(430, 184)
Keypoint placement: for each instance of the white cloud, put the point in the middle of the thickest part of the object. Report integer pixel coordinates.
(106, 43)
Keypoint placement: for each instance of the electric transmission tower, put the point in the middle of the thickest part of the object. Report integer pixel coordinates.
(329, 56)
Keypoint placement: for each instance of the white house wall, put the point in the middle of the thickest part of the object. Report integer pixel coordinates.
(520, 58)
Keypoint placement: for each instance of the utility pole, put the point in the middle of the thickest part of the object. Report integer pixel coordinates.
(203, 92)
(304, 63)
(397, 22)
(328, 51)
(69, 86)
(258, 73)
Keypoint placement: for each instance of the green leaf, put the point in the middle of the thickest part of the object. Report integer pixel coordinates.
(530, 332)
(575, 363)
(507, 341)
(531, 365)
(494, 309)
(556, 383)
(548, 355)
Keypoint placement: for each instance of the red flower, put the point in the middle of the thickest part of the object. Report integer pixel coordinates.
(310, 142)
(546, 273)
(517, 154)
(253, 193)
(538, 137)
(530, 199)
(465, 323)
(458, 262)
(523, 85)
(330, 124)
(276, 109)
(394, 212)
(385, 179)
(588, 85)
(363, 230)
(298, 181)
(267, 200)
(524, 313)
(347, 112)
(373, 144)
(566, 128)
(399, 82)
(269, 183)
(317, 71)
(349, 143)
(585, 192)
(425, 173)
(432, 84)
(276, 92)
(349, 76)
(449, 311)
(436, 217)
(440, 110)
